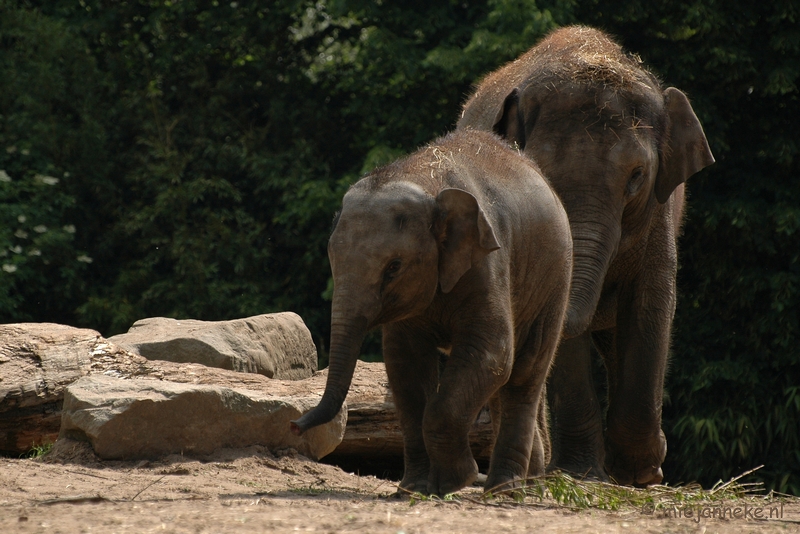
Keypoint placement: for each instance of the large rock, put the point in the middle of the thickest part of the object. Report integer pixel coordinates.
(275, 345)
(37, 362)
(146, 419)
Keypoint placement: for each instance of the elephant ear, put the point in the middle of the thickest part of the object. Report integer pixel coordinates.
(465, 235)
(686, 151)
(510, 121)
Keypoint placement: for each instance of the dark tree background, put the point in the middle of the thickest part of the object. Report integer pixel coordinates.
(185, 158)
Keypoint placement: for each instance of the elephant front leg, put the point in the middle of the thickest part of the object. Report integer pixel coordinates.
(635, 444)
(412, 368)
(472, 375)
(577, 424)
(522, 445)
(517, 439)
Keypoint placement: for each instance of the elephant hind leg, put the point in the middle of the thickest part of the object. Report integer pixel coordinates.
(575, 412)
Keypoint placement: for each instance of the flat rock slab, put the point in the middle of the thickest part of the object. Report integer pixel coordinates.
(147, 419)
(276, 345)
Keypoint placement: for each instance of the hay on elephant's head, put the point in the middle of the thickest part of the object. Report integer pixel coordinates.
(587, 56)
(572, 55)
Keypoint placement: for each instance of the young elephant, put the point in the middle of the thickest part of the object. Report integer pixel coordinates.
(461, 248)
(617, 148)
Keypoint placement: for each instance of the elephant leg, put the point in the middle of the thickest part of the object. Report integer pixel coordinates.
(576, 417)
(473, 373)
(516, 440)
(522, 444)
(635, 444)
(412, 366)
(541, 442)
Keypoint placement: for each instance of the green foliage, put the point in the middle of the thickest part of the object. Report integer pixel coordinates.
(37, 451)
(36, 237)
(48, 139)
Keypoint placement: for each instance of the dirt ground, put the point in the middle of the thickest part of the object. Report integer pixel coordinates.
(252, 490)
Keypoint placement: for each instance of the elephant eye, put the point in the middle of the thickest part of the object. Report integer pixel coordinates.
(635, 182)
(391, 270)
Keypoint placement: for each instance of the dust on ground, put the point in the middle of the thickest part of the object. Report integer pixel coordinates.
(254, 490)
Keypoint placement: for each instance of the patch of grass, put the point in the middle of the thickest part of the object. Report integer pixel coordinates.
(37, 451)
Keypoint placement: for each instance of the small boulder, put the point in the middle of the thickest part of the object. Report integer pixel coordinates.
(37, 362)
(275, 345)
(146, 419)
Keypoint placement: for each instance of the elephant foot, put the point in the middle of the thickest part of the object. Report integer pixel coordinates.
(638, 466)
(640, 478)
(413, 484)
(417, 486)
(506, 474)
(444, 479)
(648, 477)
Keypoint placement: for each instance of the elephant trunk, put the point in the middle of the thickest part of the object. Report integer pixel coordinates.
(346, 339)
(594, 246)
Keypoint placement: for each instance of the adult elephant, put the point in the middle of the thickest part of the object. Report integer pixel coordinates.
(617, 148)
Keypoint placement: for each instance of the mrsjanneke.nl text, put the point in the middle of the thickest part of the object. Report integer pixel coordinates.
(745, 511)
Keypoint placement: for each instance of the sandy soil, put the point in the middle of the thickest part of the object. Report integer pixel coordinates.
(252, 490)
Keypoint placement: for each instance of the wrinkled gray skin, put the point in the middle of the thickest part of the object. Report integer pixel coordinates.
(617, 148)
(463, 249)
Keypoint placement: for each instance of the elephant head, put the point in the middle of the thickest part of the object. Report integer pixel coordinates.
(394, 245)
(614, 152)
